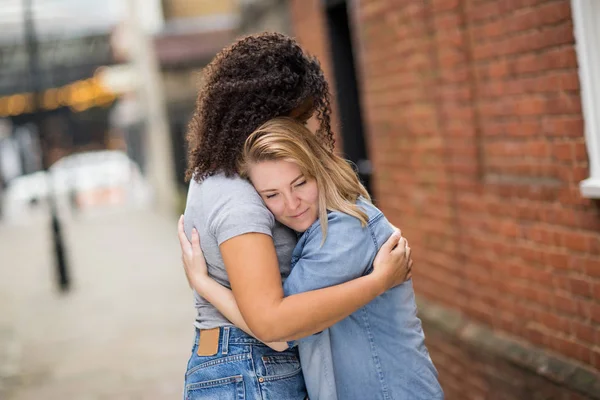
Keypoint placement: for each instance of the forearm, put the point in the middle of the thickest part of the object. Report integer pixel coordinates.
(223, 300)
(307, 313)
(256, 284)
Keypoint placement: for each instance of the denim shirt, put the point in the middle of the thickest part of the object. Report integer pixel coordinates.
(378, 352)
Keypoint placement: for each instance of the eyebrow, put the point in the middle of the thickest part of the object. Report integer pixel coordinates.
(291, 183)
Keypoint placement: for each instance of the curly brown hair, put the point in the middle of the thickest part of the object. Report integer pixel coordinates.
(257, 78)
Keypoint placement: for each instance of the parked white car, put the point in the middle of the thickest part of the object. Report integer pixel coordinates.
(98, 179)
(81, 182)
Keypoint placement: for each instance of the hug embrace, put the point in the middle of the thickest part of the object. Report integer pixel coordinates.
(302, 286)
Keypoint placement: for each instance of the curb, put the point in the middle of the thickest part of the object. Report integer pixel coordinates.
(539, 361)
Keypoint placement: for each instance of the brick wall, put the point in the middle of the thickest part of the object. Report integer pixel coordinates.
(474, 124)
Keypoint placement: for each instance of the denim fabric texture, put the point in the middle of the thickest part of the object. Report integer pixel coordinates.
(378, 352)
(243, 369)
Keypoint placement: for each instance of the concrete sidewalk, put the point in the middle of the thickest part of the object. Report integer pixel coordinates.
(125, 329)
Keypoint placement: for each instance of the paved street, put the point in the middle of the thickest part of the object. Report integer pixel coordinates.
(123, 332)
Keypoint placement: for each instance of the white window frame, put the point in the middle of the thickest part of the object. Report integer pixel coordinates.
(586, 19)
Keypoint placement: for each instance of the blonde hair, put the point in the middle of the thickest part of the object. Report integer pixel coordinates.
(286, 139)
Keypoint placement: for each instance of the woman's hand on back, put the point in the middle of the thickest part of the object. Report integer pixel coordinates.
(192, 257)
(393, 264)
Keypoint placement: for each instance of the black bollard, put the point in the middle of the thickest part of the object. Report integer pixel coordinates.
(35, 82)
(60, 257)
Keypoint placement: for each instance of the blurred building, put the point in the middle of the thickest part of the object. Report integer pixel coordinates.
(73, 106)
(480, 123)
(265, 15)
(193, 33)
(69, 47)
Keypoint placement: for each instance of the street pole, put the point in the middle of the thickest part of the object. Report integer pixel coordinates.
(158, 146)
(34, 81)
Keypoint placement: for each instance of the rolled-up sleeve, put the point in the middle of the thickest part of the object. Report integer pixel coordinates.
(346, 254)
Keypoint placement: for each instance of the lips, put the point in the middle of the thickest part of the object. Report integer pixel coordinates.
(299, 215)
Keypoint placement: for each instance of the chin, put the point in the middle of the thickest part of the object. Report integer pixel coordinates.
(295, 226)
(302, 227)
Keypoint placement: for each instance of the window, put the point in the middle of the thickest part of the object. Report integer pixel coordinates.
(586, 18)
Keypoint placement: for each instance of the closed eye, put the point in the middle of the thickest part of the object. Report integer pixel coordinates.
(270, 196)
(301, 183)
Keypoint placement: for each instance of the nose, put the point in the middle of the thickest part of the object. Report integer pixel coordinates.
(292, 201)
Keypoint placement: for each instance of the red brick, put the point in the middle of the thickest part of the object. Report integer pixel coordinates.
(538, 39)
(585, 332)
(547, 83)
(595, 312)
(594, 243)
(450, 38)
(490, 29)
(557, 260)
(595, 362)
(576, 241)
(444, 5)
(571, 196)
(493, 70)
(564, 103)
(553, 321)
(591, 266)
(561, 57)
(561, 283)
(580, 287)
(565, 304)
(451, 58)
(483, 11)
(543, 235)
(372, 9)
(579, 173)
(585, 219)
(581, 151)
(447, 21)
(545, 14)
(596, 290)
(563, 151)
(584, 308)
(529, 106)
(570, 348)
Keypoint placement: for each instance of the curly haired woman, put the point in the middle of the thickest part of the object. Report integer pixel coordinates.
(258, 78)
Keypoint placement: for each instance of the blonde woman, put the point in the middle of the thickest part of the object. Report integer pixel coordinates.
(378, 352)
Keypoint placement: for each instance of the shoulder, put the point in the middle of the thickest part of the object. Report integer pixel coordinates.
(347, 231)
(219, 186)
(229, 205)
(373, 213)
(217, 192)
(338, 221)
(343, 232)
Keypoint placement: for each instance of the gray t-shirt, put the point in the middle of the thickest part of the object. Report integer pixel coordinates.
(221, 208)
